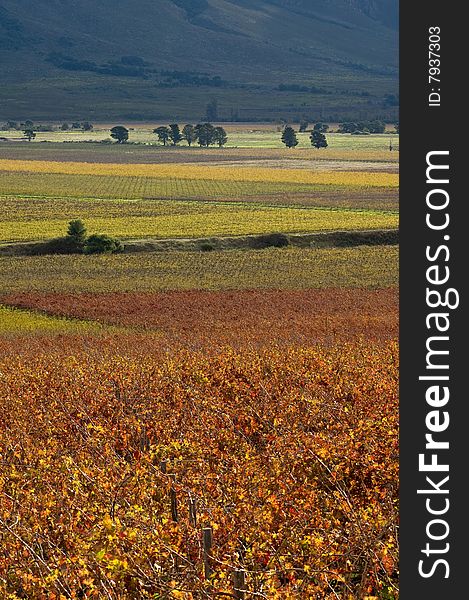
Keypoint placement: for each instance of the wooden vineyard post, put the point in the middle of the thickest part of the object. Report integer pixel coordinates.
(192, 502)
(239, 582)
(207, 545)
(163, 465)
(173, 499)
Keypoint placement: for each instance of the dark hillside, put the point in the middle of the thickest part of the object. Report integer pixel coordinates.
(81, 57)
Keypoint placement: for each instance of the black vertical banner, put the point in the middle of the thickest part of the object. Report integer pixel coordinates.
(434, 249)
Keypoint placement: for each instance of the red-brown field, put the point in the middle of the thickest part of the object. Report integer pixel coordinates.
(260, 317)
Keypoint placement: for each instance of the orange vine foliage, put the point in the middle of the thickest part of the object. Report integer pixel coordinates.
(290, 454)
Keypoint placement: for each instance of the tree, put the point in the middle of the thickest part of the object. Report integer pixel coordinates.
(77, 231)
(75, 239)
(29, 133)
(318, 139)
(72, 243)
(303, 125)
(396, 127)
(376, 126)
(102, 244)
(119, 133)
(205, 134)
(11, 125)
(321, 127)
(163, 133)
(211, 112)
(189, 134)
(219, 136)
(87, 126)
(175, 134)
(65, 127)
(289, 137)
(348, 127)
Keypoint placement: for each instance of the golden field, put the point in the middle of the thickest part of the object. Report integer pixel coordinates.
(214, 173)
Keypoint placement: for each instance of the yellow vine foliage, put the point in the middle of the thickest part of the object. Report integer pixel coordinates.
(214, 173)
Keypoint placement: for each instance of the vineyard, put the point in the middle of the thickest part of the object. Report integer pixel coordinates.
(40, 197)
(136, 187)
(289, 268)
(288, 458)
(207, 172)
(35, 187)
(14, 321)
(199, 422)
(163, 220)
(375, 199)
(237, 318)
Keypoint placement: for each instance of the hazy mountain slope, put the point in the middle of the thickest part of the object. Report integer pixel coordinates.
(331, 44)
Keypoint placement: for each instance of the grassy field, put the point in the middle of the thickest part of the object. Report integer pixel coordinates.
(91, 99)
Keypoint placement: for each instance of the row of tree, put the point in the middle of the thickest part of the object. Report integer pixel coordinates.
(317, 137)
(30, 130)
(322, 127)
(204, 134)
(375, 126)
(76, 125)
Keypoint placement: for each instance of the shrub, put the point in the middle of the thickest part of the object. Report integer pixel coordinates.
(276, 240)
(207, 247)
(61, 245)
(102, 244)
